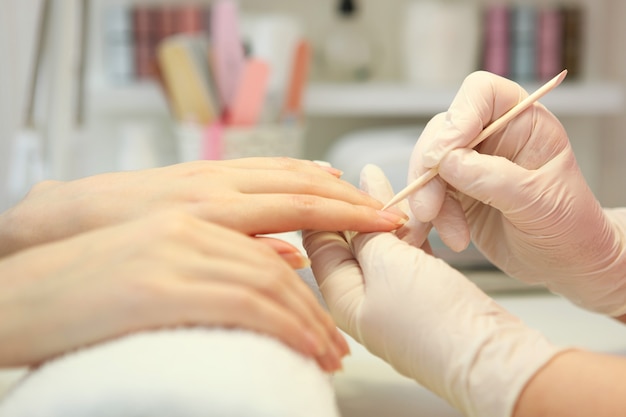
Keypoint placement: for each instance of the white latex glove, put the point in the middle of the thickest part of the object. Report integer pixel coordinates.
(521, 192)
(425, 318)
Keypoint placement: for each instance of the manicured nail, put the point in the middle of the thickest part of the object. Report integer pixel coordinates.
(314, 345)
(296, 260)
(342, 343)
(326, 363)
(392, 217)
(333, 171)
(335, 358)
(326, 166)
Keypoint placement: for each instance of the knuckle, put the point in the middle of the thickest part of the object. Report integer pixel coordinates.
(44, 185)
(287, 163)
(245, 302)
(195, 168)
(172, 223)
(306, 205)
(272, 277)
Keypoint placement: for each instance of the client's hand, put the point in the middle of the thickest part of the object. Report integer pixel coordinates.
(425, 318)
(251, 195)
(166, 270)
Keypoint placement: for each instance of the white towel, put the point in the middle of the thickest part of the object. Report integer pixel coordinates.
(180, 373)
(177, 373)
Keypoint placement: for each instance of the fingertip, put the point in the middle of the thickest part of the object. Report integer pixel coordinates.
(326, 166)
(452, 225)
(426, 203)
(395, 217)
(457, 242)
(296, 260)
(415, 233)
(422, 212)
(453, 232)
(373, 180)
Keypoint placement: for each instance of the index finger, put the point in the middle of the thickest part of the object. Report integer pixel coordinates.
(286, 212)
(482, 98)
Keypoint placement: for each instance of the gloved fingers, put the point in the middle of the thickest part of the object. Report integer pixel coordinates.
(492, 180)
(338, 276)
(414, 232)
(452, 225)
(389, 263)
(374, 182)
(425, 202)
(482, 98)
(427, 248)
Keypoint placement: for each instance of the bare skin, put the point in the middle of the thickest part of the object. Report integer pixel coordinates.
(576, 384)
(252, 195)
(165, 270)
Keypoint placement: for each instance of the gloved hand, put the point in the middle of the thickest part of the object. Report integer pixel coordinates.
(521, 195)
(425, 318)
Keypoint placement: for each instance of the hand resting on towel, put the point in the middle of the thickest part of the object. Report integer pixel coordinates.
(166, 270)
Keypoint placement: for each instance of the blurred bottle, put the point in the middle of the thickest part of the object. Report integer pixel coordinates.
(441, 41)
(347, 52)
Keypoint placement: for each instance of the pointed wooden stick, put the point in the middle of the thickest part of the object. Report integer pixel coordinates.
(488, 131)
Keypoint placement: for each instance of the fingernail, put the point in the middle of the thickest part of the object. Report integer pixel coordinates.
(334, 171)
(335, 358)
(322, 163)
(326, 166)
(392, 217)
(314, 345)
(342, 343)
(326, 363)
(296, 260)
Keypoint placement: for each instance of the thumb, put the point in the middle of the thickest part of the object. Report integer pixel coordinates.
(374, 182)
(482, 98)
(338, 276)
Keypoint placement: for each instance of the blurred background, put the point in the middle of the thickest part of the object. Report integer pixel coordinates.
(83, 90)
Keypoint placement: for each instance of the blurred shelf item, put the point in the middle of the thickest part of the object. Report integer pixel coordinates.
(377, 99)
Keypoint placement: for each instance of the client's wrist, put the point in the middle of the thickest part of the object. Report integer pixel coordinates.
(20, 228)
(10, 239)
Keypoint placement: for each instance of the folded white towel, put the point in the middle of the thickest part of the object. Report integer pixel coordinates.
(177, 373)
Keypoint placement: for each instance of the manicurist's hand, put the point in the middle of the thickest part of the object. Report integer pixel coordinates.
(165, 270)
(521, 197)
(251, 195)
(425, 318)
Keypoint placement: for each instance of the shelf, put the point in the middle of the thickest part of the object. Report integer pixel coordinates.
(575, 99)
(379, 99)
